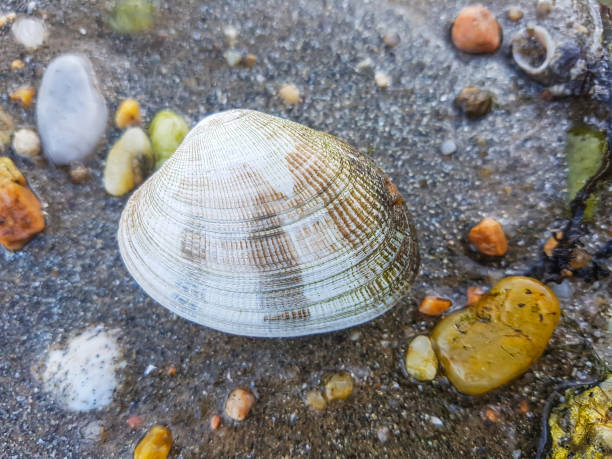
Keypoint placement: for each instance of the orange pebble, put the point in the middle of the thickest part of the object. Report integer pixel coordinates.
(489, 238)
(24, 95)
(492, 414)
(127, 114)
(215, 421)
(476, 30)
(473, 295)
(171, 371)
(135, 422)
(524, 407)
(551, 243)
(434, 306)
(20, 215)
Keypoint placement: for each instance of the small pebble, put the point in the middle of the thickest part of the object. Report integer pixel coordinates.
(488, 237)
(29, 32)
(551, 244)
(70, 111)
(383, 434)
(515, 14)
(26, 143)
(167, 130)
(579, 259)
(391, 39)
(7, 127)
(17, 64)
(156, 444)
(238, 404)
(135, 422)
(365, 66)
(434, 306)
(215, 422)
(231, 35)
(475, 102)
(496, 340)
(421, 360)
(338, 387)
(9, 172)
(24, 95)
(448, 147)
(290, 94)
(473, 295)
(543, 8)
(382, 80)
(79, 173)
(128, 163)
(315, 400)
(249, 60)
(476, 30)
(232, 57)
(492, 414)
(127, 114)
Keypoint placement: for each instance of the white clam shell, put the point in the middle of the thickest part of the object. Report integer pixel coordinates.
(260, 226)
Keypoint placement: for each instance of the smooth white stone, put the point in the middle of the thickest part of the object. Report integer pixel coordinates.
(71, 112)
(30, 32)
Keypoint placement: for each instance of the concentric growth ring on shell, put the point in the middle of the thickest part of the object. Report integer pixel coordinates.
(263, 227)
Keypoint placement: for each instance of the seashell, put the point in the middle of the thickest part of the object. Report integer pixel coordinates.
(260, 226)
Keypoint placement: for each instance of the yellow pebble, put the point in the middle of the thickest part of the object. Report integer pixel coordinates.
(290, 94)
(314, 399)
(156, 444)
(339, 387)
(127, 114)
(9, 172)
(24, 95)
(17, 64)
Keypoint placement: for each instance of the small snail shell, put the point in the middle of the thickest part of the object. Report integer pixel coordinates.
(260, 226)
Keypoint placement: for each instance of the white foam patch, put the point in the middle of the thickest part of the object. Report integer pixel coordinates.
(82, 376)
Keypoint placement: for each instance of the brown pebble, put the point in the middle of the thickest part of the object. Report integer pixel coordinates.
(249, 60)
(492, 414)
(135, 422)
(315, 400)
(20, 215)
(580, 258)
(524, 407)
(339, 386)
(238, 404)
(515, 14)
(434, 306)
(17, 64)
(473, 295)
(489, 238)
(543, 8)
(171, 371)
(391, 39)
(474, 102)
(79, 173)
(476, 30)
(215, 422)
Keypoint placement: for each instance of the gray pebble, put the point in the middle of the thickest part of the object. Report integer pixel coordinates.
(448, 147)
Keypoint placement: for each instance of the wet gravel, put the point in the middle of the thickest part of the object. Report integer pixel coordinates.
(509, 165)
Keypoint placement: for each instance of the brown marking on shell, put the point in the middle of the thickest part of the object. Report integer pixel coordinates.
(395, 198)
(289, 315)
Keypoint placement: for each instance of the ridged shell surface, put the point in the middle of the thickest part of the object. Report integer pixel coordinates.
(260, 226)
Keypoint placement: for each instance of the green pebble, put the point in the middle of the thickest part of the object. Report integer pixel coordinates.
(167, 131)
(132, 16)
(584, 151)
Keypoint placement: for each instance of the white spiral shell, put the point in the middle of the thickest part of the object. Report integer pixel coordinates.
(260, 226)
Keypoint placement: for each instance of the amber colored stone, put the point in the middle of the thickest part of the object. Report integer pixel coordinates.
(215, 422)
(155, 444)
(127, 114)
(489, 238)
(473, 295)
(434, 306)
(315, 400)
(23, 95)
(476, 30)
(9, 172)
(338, 387)
(238, 404)
(20, 215)
(496, 340)
(551, 244)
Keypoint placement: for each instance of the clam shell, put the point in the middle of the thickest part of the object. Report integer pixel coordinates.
(260, 226)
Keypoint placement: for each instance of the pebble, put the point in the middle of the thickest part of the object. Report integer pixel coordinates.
(551, 244)
(156, 444)
(476, 30)
(515, 14)
(383, 433)
(238, 404)
(135, 422)
(215, 422)
(132, 16)
(127, 114)
(488, 237)
(24, 95)
(249, 60)
(391, 39)
(128, 163)
(20, 211)
(17, 64)
(474, 294)
(82, 376)
(79, 173)
(543, 8)
(232, 57)
(7, 127)
(290, 94)
(29, 32)
(382, 80)
(448, 147)
(434, 306)
(71, 112)
(231, 35)
(475, 102)
(315, 400)
(365, 66)
(26, 143)
(486, 345)
(421, 360)
(338, 387)
(167, 131)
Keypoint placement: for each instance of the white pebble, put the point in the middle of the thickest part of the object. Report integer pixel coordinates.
(231, 34)
(364, 66)
(26, 143)
(82, 376)
(232, 57)
(448, 147)
(150, 368)
(30, 32)
(382, 80)
(421, 360)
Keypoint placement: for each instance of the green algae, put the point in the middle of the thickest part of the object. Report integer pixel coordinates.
(585, 151)
(132, 16)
